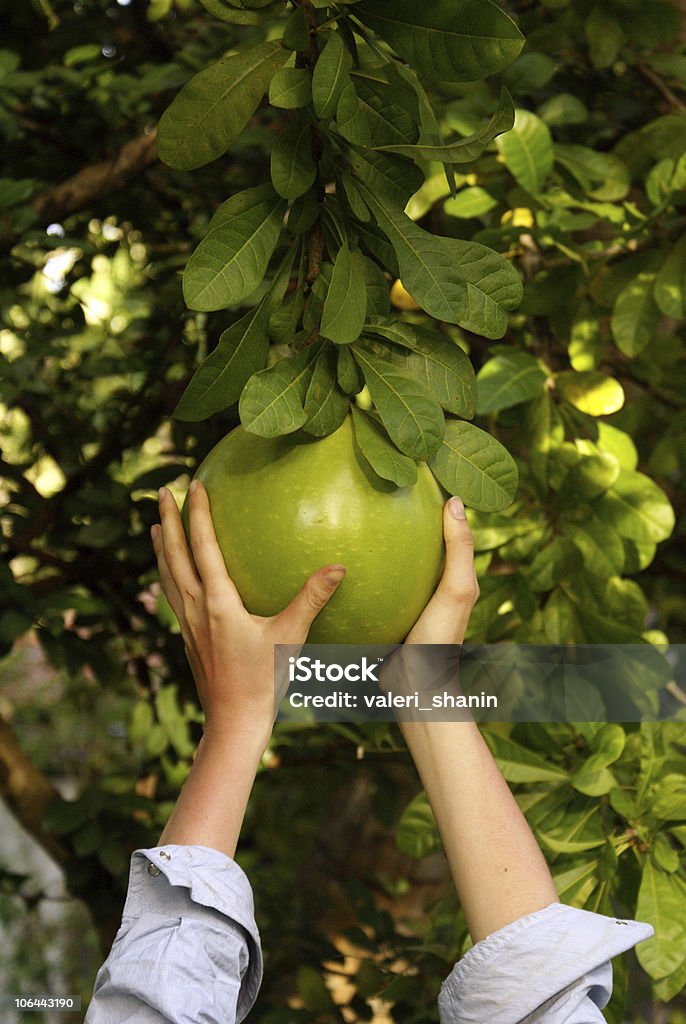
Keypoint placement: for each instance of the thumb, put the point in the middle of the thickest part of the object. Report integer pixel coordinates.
(445, 618)
(299, 615)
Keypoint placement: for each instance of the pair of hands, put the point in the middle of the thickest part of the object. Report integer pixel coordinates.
(231, 651)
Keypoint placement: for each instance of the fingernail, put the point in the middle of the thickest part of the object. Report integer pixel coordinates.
(154, 530)
(194, 486)
(457, 508)
(335, 575)
(161, 494)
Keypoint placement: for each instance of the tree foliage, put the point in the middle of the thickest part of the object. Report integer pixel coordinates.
(463, 222)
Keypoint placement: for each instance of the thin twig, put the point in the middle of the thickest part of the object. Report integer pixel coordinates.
(661, 87)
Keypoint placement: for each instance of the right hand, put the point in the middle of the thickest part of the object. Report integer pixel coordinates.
(446, 616)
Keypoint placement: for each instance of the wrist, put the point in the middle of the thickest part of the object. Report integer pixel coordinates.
(248, 736)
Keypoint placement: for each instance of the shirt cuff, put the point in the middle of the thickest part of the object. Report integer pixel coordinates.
(213, 881)
(517, 969)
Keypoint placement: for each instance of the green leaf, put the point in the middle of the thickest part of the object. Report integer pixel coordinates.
(232, 259)
(376, 285)
(459, 282)
(173, 721)
(303, 213)
(225, 11)
(346, 300)
(466, 150)
(574, 885)
(664, 854)
(679, 832)
(593, 781)
(605, 37)
(636, 508)
(313, 991)
(473, 465)
(394, 180)
(508, 379)
(601, 175)
(635, 315)
(519, 764)
(600, 546)
(381, 454)
(448, 40)
(296, 33)
(325, 404)
(558, 845)
(283, 322)
(666, 988)
(412, 417)
(434, 360)
(670, 284)
(331, 74)
(528, 151)
(220, 378)
(590, 391)
(617, 443)
(364, 117)
(470, 202)
(661, 901)
(273, 401)
(348, 372)
(565, 108)
(589, 477)
(141, 721)
(355, 201)
(15, 190)
(291, 88)
(549, 565)
(669, 798)
(417, 833)
(211, 111)
(293, 167)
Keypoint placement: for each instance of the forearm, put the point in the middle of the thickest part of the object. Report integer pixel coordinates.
(211, 806)
(498, 869)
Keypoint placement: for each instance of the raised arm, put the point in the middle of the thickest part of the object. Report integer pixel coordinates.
(231, 653)
(188, 948)
(533, 959)
(499, 871)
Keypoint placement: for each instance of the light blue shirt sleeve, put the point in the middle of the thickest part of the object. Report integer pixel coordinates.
(550, 967)
(188, 949)
(188, 952)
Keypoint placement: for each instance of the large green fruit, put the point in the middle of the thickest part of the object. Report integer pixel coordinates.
(285, 506)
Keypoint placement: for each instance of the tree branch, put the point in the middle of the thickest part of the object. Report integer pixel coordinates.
(27, 791)
(97, 179)
(661, 87)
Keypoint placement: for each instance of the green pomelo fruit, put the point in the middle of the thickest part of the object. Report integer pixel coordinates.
(283, 507)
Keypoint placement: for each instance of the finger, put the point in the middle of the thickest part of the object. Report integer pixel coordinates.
(176, 551)
(206, 552)
(445, 618)
(306, 605)
(168, 585)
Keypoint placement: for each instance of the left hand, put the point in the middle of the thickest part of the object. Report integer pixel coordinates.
(230, 651)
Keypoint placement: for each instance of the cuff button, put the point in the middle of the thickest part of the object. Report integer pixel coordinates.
(153, 869)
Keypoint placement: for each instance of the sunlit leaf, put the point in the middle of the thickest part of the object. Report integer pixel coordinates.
(591, 392)
(476, 467)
